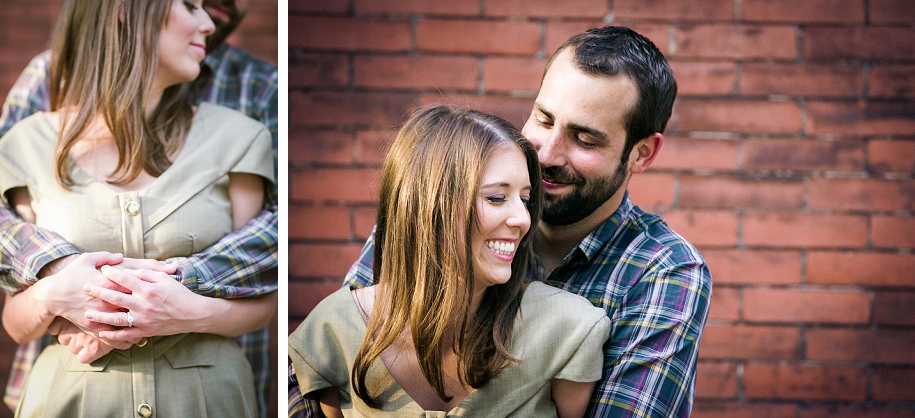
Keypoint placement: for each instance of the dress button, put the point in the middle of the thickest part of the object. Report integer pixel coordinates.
(132, 208)
(144, 410)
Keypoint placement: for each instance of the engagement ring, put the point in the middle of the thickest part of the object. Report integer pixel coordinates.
(130, 320)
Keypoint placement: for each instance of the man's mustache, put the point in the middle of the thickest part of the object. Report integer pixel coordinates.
(558, 174)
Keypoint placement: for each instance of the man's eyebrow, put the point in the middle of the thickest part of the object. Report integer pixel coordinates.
(596, 133)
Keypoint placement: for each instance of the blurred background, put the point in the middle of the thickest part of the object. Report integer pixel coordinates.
(789, 162)
(25, 31)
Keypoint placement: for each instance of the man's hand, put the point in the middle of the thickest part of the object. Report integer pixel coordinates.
(86, 347)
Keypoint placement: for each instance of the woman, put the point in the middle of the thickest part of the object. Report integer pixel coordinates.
(450, 327)
(124, 163)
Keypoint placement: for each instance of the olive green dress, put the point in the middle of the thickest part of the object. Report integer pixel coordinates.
(557, 335)
(184, 211)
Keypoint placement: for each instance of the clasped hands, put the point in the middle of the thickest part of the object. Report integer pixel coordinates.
(93, 292)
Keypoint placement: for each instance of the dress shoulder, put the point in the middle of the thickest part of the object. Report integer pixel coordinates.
(323, 346)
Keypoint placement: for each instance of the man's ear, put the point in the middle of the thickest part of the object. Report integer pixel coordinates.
(644, 152)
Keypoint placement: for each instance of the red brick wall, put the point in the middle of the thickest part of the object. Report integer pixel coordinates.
(25, 30)
(789, 161)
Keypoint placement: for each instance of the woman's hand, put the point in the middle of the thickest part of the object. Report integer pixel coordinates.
(160, 305)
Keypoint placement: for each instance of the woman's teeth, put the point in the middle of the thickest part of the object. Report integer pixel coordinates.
(501, 247)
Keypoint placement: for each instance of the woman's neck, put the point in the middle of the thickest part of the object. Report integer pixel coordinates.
(153, 99)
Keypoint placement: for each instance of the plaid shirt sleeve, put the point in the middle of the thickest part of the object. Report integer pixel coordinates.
(360, 273)
(650, 357)
(25, 248)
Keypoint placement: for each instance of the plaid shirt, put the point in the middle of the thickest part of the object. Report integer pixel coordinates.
(241, 264)
(656, 290)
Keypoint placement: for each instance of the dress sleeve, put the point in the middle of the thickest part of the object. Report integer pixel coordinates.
(586, 364)
(314, 347)
(259, 157)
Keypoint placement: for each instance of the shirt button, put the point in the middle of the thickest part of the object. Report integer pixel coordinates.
(144, 410)
(132, 208)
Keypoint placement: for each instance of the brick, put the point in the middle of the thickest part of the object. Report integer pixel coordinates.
(651, 190)
(861, 268)
(741, 42)
(513, 109)
(891, 11)
(416, 72)
(886, 156)
(861, 345)
(806, 306)
(805, 382)
(894, 308)
(420, 7)
(864, 43)
(804, 230)
(319, 6)
(364, 219)
(337, 33)
(802, 155)
(808, 11)
(595, 9)
(892, 232)
(809, 80)
(506, 74)
(718, 409)
(857, 411)
(891, 81)
(334, 185)
(725, 305)
(745, 267)
(322, 260)
(704, 78)
(868, 118)
(716, 380)
(749, 342)
(479, 37)
(682, 153)
(557, 32)
(704, 228)
(372, 146)
(349, 108)
(737, 192)
(318, 70)
(862, 194)
(891, 384)
(319, 146)
(304, 296)
(738, 116)
(319, 222)
(674, 10)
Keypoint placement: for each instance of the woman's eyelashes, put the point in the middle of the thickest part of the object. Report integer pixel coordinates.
(502, 199)
(191, 6)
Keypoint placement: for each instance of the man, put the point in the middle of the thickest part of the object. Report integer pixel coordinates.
(603, 104)
(242, 264)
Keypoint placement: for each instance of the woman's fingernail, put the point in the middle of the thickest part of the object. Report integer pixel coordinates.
(87, 288)
(89, 315)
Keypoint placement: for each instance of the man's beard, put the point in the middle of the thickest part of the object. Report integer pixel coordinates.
(587, 196)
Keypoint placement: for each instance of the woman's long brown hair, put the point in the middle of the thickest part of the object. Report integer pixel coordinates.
(104, 55)
(423, 257)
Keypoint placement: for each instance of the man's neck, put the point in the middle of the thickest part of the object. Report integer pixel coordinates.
(553, 242)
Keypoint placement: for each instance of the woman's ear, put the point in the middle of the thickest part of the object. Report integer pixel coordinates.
(644, 152)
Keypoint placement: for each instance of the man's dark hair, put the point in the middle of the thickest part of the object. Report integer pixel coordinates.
(615, 50)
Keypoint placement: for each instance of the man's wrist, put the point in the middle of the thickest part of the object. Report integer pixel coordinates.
(55, 266)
